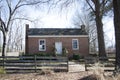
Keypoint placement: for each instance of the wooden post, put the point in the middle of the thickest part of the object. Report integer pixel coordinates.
(85, 64)
(67, 65)
(35, 63)
(3, 62)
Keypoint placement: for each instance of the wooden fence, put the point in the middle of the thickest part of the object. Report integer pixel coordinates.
(33, 63)
(108, 64)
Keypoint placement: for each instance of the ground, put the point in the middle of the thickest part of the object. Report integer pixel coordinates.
(76, 71)
(37, 76)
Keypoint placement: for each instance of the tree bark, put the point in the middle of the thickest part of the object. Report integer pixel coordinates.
(4, 47)
(100, 33)
(4, 44)
(116, 6)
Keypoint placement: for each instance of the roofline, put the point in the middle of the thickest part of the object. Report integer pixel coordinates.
(57, 35)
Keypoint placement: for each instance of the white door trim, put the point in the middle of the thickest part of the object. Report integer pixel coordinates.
(58, 47)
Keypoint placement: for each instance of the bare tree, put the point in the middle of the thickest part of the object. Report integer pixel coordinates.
(99, 7)
(17, 41)
(11, 7)
(116, 5)
(85, 19)
(0, 42)
(15, 37)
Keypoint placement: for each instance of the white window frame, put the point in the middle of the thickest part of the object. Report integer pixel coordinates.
(77, 44)
(44, 44)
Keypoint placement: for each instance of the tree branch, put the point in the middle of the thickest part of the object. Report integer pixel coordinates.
(3, 28)
(90, 6)
(32, 3)
(104, 2)
(9, 6)
(21, 19)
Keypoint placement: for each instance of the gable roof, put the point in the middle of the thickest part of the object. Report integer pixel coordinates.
(56, 31)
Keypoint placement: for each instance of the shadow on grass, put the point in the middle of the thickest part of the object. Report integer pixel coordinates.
(90, 77)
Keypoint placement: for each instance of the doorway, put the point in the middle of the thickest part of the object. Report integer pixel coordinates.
(58, 47)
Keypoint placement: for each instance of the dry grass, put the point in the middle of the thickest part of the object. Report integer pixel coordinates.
(38, 76)
(2, 70)
(46, 72)
(99, 74)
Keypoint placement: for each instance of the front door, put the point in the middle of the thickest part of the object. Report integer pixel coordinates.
(58, 47)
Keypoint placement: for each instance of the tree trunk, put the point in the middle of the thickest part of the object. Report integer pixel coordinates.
(4, 44)
(4, 47)
(116, 5)
(100, 33)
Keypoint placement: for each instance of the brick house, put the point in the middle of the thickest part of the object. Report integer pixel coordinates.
(44, 40)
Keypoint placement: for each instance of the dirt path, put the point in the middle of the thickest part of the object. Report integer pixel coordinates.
(76, 67)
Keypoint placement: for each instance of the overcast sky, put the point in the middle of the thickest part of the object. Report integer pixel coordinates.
(63, 19)
(56, 18)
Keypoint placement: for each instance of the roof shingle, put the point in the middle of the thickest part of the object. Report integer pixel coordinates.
(56, 31)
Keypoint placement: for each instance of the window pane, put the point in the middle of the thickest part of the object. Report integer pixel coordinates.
(75, 44)
(42, 45)
(42, 42)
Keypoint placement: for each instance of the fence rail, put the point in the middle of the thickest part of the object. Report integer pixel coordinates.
(36, 63)
(33, 63)
(107, 63)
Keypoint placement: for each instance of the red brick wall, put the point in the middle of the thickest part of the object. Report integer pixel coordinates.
(66, 43)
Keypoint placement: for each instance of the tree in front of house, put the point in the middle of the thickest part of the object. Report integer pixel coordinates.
(85, 19)
(116, 6)
(99, 8)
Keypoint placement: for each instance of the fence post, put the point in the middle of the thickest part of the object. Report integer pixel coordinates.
(35, 63)
(3, 59)
(67, 65)
(85, 60)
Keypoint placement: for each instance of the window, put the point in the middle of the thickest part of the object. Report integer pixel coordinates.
(75, 44)
(42, 45)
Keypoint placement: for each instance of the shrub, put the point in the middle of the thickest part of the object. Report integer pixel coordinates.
(40, 54)
(37, 54)
(94, 55)
(21, 53)
(46, 72)
(76, 57)
(54, 51)
(64, 52)
(2, 70)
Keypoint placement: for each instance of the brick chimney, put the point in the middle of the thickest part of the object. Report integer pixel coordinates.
(83, 27)
(27, 27)
(26, 38)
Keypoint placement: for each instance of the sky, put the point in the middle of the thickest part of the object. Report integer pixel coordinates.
(57, 18)
(50, 19)
(63, 19)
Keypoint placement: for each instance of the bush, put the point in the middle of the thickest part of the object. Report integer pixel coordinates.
(76, 57)
(64, 52)
(40, 54)
(2, 70)
(46, 72)
(21, 53)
